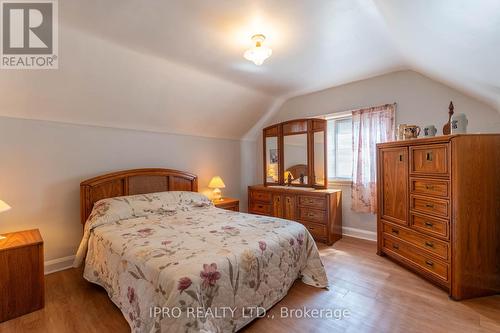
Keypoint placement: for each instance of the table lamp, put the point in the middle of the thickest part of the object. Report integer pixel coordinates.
(216, 183)
(288, 177)
(3, 208)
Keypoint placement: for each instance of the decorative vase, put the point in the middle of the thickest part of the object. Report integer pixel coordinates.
(446, 127)
(459, 124)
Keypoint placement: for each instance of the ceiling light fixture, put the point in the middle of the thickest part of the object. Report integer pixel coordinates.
(259, 52)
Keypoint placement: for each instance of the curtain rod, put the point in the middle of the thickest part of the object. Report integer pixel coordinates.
(345, 112)
(367, 107)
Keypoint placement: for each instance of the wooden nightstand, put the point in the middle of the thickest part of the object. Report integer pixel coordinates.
(228, 204)
(21, 274)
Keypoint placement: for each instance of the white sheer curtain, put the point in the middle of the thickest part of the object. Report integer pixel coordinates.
(369, 127)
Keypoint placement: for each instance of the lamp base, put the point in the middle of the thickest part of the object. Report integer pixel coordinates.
(217, 194)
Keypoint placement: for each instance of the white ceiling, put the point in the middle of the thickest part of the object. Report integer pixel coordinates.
(316, 44)
(177, 66)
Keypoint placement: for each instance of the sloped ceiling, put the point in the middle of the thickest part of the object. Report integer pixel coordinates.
(177, 66)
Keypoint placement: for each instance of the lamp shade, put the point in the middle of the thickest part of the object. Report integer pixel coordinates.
(3, 206)
(216, 182)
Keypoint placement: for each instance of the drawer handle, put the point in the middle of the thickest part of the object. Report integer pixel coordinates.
(429, 187)
(429, 224)
(428, 205)
(395, 231)
(311, 228)
(429, 263)
(428, 156)
(260, 206)
(400, 157)
(429, 244)
(310, 214)
(395, 246)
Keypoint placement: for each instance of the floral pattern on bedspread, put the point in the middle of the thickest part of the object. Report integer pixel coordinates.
(191, 258)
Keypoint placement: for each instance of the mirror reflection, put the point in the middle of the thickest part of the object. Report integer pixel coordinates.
(295, 159)
(272, 159)
(319, 158)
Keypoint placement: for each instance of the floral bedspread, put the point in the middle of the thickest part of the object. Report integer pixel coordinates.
(173, 262)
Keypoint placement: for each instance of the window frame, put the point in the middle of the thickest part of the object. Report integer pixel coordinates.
(336, 117)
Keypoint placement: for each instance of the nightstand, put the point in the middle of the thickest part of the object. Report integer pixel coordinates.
(228, 204)
(21, 274)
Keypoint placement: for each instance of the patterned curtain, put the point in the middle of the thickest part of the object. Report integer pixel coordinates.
(369, 127)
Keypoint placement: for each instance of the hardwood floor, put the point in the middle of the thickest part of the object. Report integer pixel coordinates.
(380, 296)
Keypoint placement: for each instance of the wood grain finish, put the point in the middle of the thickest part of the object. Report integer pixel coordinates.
(320, 211)
(381, 297)
(431, 159)
(429, 205)
(430, 225)
(430, 187)
(289, 208)
(476, 215)
(130, 182)
(394, 184)
(228, 204)
(404, 252)
(21, 274)
(429, 244)
(308, 126)
(454, 195)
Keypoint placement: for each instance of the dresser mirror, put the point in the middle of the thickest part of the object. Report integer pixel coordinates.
(295, 159)
(295, 153)
(272, 156)
(319, 158)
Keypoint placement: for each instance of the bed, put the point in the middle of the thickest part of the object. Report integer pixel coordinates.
(172, 262)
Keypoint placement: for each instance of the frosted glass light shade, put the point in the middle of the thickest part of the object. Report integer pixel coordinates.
(259, 52)
(3, 206)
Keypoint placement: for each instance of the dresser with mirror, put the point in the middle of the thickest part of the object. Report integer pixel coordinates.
(295, 177)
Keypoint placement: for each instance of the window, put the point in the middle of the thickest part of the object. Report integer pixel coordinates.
(340, 148)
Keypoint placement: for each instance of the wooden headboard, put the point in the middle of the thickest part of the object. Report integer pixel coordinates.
(297, 170)
(130, 182)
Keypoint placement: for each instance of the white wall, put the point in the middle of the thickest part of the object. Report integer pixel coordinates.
(420, 101)
(43, 163)
(102, 83)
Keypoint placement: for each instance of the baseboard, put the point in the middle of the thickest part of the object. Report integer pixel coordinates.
(359, 233)
(59, 264)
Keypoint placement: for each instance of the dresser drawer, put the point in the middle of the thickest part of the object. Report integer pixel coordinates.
(314, 202)
(438, 188)
(261, 196)
(431, 159)
(427, 205)
(260, 208)
(312, 215)
(430, 225)
(316, 230)
(424, 262)
(432, 245)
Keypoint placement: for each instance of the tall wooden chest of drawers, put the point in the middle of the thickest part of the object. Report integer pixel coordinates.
(439, 210)
(320, 211)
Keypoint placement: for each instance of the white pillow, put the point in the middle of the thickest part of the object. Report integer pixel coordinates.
(119, 208)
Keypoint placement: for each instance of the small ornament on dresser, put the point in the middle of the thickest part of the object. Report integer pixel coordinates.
(411, 132)
(429, 131)
(446, 127)
(459, 124)
(401, 132)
